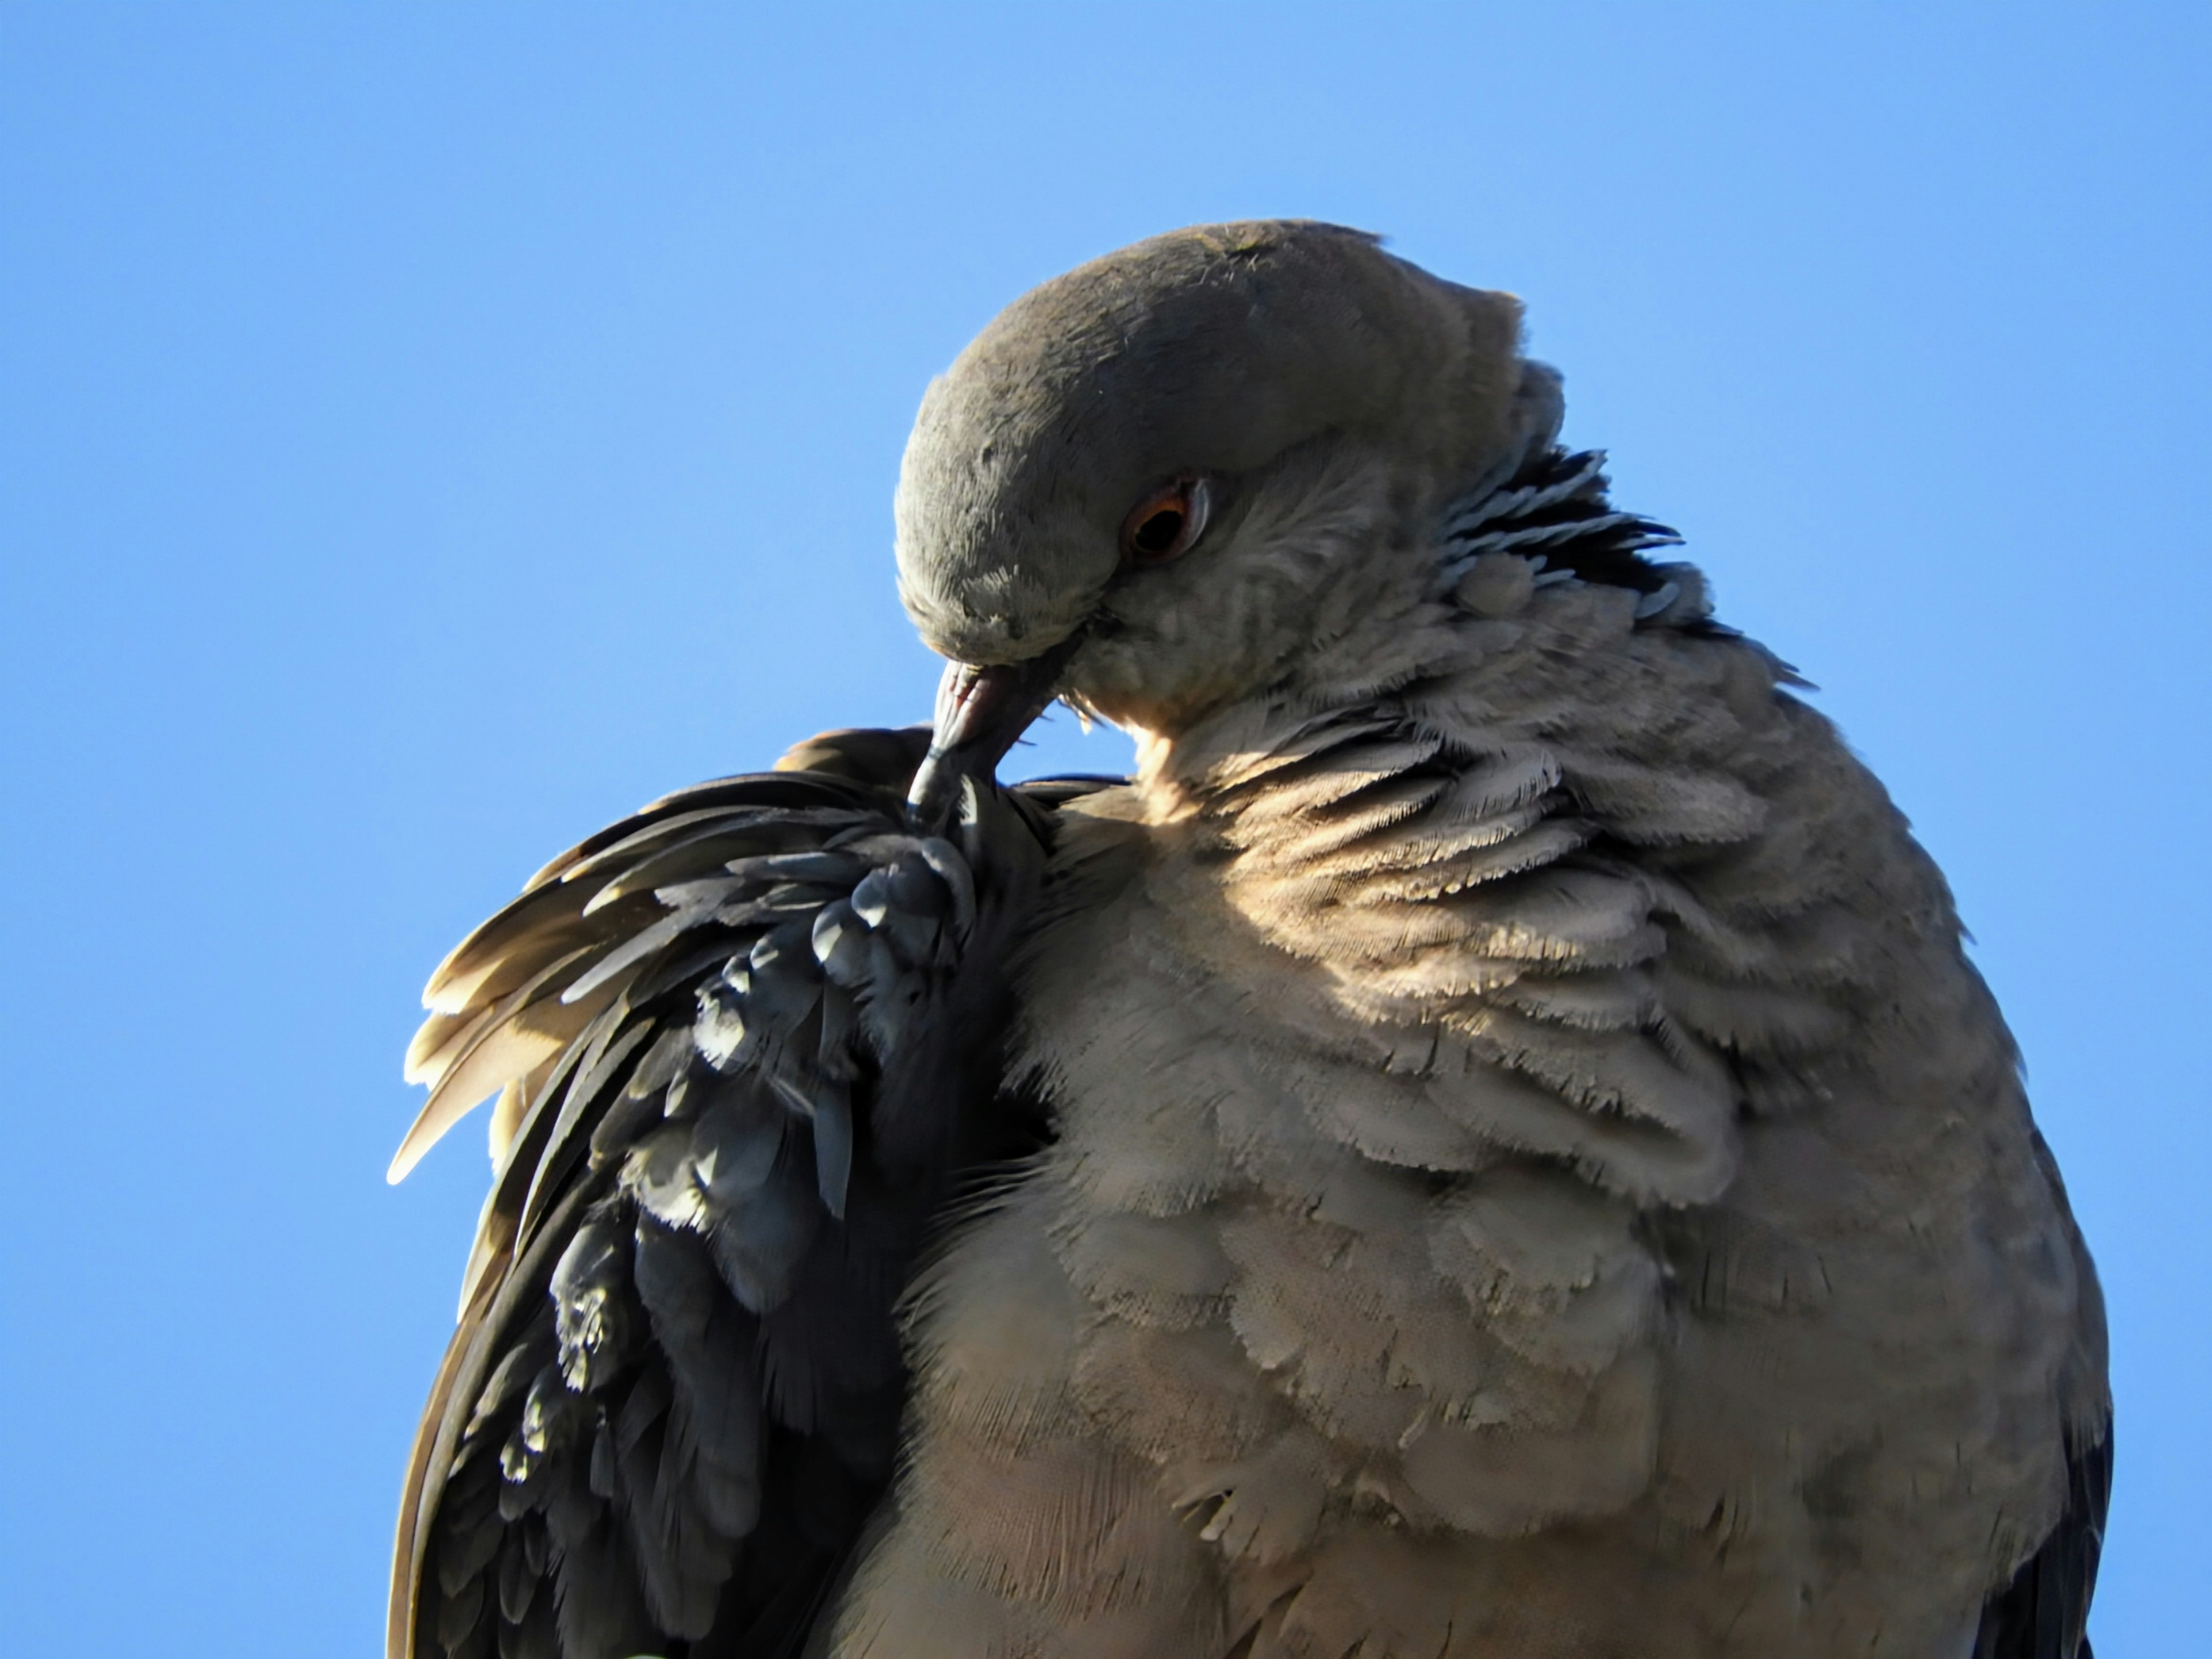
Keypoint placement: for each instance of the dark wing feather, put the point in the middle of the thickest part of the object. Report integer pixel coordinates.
(2043, 1613)
(748, 1045)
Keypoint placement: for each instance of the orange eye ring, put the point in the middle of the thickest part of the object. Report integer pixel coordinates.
(1163, 526)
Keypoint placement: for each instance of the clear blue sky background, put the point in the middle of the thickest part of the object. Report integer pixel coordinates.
(428, 432)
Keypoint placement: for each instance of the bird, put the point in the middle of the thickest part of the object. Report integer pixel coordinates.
(1489, 1142)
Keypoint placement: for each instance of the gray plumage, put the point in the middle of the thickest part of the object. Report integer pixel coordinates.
(1488, 1145)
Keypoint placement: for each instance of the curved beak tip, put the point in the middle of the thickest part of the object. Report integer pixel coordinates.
(982, 712)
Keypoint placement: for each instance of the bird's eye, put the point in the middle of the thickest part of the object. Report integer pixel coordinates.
(1165, 524)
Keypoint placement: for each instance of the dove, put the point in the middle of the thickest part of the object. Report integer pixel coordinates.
(1489, 1143)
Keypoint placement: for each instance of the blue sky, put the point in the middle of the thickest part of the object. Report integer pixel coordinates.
(428, 432)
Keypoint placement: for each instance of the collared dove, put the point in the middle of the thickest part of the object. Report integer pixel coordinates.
(1488, 1145)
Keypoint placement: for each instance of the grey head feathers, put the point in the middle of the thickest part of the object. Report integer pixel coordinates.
(1224, 352)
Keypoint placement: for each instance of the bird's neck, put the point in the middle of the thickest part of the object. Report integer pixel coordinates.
(1506, 569)
(1183, 770)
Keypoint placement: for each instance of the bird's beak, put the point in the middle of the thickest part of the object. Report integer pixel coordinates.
(981, 713)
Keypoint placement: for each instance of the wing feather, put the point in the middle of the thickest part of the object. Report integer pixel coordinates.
(2043, 1613)
(746, 1042)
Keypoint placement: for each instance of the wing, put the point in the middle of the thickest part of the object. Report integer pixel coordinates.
(2043, 1613)
(745, 1044)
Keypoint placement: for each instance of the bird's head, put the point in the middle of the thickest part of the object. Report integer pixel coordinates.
(1150, 482)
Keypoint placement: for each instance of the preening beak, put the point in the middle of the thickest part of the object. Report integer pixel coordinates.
(980, 714)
